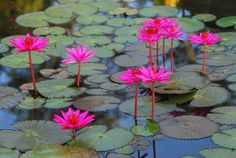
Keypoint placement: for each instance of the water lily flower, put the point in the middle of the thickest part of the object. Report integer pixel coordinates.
(29, 44)
(205, 39)
(150, 75)
(130, 78)
(171, 34)
(79, 56)
(73, 120)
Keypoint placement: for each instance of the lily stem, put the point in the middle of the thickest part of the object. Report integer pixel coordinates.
(163, 53)
(78, 74)
(73, 135)
(150, 54)
(204, 60)
(153, 101)
(172, 55)
(32, 74)
(157, 54)
(136, 101)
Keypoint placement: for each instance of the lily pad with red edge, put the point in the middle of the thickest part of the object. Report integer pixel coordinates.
(131, 60)
(97, 103)
(188, 127)
(145, 107)
(220, 152)
(102, 139)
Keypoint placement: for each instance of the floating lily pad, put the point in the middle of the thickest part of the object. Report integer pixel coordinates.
(96, 30)
(228, 38)
(226, 138)
(118, 22)
(123, 10)
(112, 86)
(194, 68)
(97, 103)
(106, 6)
(232, 87)
(97, 91)
(128, 30)
(49, 31)
(214, 49)
(145, 107)
(74, 1)
(55, 50)
(226, 21)
(58, 151)
(188, 127)
(125, 39)
(61, 40)
(215, 77)
(104, 52)
(182, 98)
(57, 20)
(140, 20)
(218, 153)
(151, 128)
(118, 47)
(227, 70)
(33, 133)
(9, 97)
(163, 11)
(3, 48)
(231, 78)
(102, 139)
(204, 17)
(7, 153)
(223, 115)
(115, 77)
(30, 103)
(6, 40)
(58, 88)
(101, 78)
(59, 73)
(90, 19)
(88, 69)
(210, 96)
(131, 60)
(127, 149)
(58, 103)
(190, 25)
(93, 40)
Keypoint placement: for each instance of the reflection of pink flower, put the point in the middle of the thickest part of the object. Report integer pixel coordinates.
(73, 120)
(130, 76)
(149, 35)
(150, 75)
(79, 55)
(205, 38)
(30, 44)
(160, 23)
(173, 33)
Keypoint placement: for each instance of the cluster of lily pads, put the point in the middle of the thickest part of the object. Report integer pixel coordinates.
(110, 27)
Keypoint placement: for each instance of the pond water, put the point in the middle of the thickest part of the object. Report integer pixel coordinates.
(162, 146)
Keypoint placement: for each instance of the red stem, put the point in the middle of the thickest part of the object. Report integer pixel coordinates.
(136, 101)
(204, 60)
(157, 53)
(78, 74)
(150, 54)
(163, 53)
(153, 101)
(172, 55)
(32, 74)
(73, 135)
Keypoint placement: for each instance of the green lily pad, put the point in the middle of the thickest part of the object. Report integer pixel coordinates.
(214, 49)
(190, 25)
(58, 103)
(9, 97)
(226, 70)
(118, 47)
(3, 48)
(188, 127)
(193, 68)
(131, 60)
(232, 87)
(140, 20)
(88, 69)
(163, 11)
(7, 153)
(100, 78)
(145, 107)
(151, 128)
(41, 31)
(123, 10)
(115, 77)
(58, 88)
(102, 139)
(127, 149)
(210, 96)
(61, 40)
(6, 40)
(204, 17)
(93, 40)
(56, 50)
(90, 19)
(59, 73)
(97, 91)
(226, 21)
(125, 39)
(105, 6)
(112, 86)
(21, 60)
(128, 30)
(74, 1)
(97, 103)
(218, 153)
(58, 151)
(223, 115)
(104, 52)
(226, 138)
(118, 22)
(228, 38)
(231, 78)
(182, 98)
(96, 30)
(215, 77)
(30, 103)
(33, 133)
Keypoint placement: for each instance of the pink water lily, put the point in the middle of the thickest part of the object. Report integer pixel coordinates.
(205, 39)
(160, 23)
(150, 75)
(130, 77)
(79, 56)
(73, 120)
(29, 44)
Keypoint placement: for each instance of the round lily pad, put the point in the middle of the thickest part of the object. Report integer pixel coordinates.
(145, 107)
(102, 139)
(125, 39)
(97, 91)
(215, 77)
(228, 38)
(131, 60)
(128, 30)
(49, 31)
(226, 138)
(55, 50)
(204, 17)
(223, 115)
(232, 87)
(163, 11)
(226, 21)
(100, 78)
(61, 40)
(74, 1)
(188, 127)
(7, 153)
(231, 78)
(97, 103)
(190, 25)
(59, 12)
(6, 40)
(30, 103)
(104, 52)
(96, 30)
(123, 10)
(58, 151)
(33, 133)
(118, 22)
(127, 149)
(90, 19)
(3, 48)
(118, 47)
(218, 153)
(193, 68)
(105, 6)
(115, 77)
(58, 103)
(58, 88)
(210, 96)
(93, 40)
(112, 86)
(226, 70)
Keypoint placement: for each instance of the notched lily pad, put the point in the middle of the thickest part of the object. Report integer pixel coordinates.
(151, 128)
(226, 21)
(204, 17)
(30, 103)
(123, 10)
